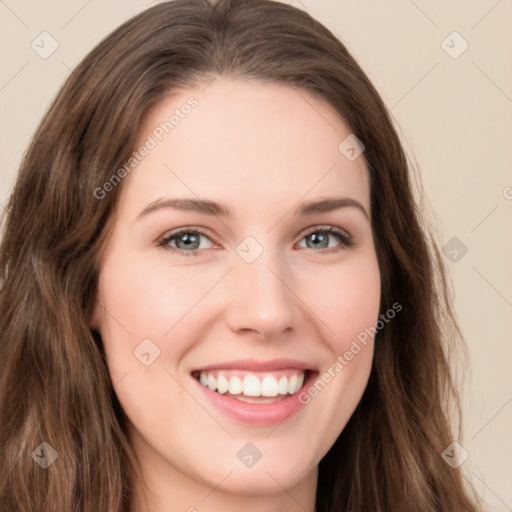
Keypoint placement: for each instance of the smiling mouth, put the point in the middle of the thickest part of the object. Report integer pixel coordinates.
(254, 387)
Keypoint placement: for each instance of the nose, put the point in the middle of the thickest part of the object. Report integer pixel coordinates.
(261, 298)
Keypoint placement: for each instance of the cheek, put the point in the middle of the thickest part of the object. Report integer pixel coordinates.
(345, 299)
(152, 298)
(143, 300)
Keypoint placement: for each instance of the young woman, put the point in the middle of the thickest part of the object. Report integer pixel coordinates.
(217, 290)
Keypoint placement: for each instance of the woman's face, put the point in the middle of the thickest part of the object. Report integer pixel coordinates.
(254, 294)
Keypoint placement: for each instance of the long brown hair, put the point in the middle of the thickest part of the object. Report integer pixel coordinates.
(54, 383)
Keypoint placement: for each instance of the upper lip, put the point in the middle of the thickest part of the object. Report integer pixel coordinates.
(257, 366)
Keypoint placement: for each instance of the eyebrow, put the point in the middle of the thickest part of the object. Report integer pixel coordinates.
(207, 207)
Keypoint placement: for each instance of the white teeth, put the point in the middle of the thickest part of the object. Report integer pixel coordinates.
(235, 386)
(269, 386)
(222, 384)
(253, 385)
(292, 384)
(212, 382)
(282, 386)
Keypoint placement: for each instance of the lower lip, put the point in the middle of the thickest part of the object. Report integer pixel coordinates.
(256, 414)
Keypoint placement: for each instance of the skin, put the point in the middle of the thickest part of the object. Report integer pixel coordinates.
(261, 149)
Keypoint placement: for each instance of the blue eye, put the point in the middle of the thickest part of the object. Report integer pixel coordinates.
(187, 241)
(327, 233)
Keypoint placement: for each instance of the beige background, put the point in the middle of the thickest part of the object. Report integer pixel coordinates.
(456, 118)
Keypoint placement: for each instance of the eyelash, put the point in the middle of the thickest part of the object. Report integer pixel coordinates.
(345, 238)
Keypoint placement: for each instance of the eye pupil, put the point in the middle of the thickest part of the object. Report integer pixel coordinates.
(188, 239)
(315, 237)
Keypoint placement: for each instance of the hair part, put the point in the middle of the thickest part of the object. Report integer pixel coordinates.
(54, 381)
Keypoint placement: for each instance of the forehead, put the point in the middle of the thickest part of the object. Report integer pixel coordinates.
(244, 139)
